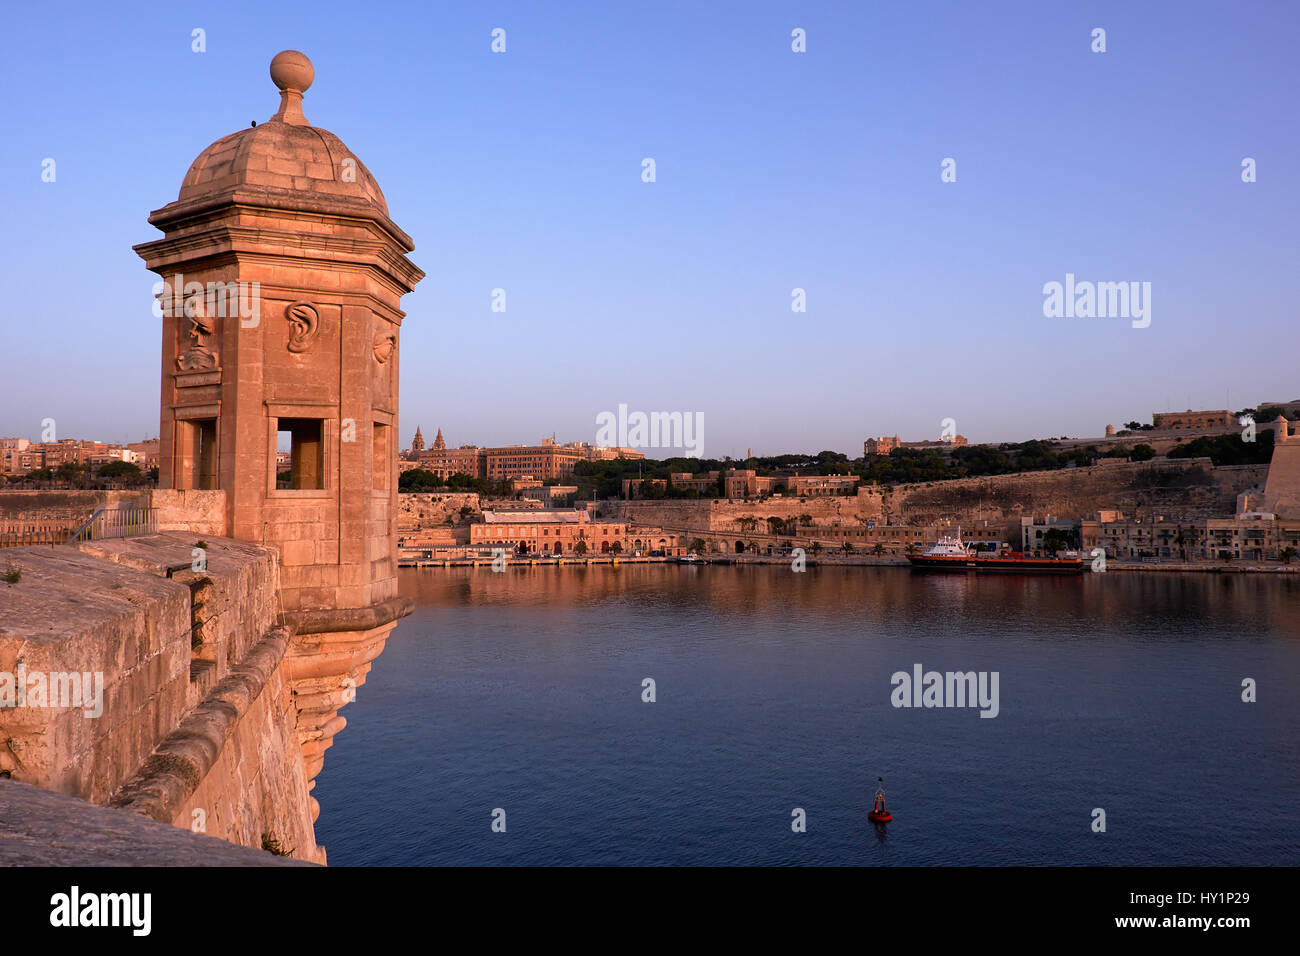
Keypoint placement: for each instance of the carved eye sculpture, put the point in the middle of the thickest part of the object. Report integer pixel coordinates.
(304, 323)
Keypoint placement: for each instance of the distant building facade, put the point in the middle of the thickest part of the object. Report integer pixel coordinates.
(549, 532)
(1192, 421)
(547, 460)
(886, 444)
(18, 456)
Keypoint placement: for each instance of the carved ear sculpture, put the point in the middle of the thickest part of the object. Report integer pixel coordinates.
(384, 344)
(304, 323)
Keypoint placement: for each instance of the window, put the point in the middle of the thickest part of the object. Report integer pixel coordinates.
(303, 438)
(197, 446)
(380, 459)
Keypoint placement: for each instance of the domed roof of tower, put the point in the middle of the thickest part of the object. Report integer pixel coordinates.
(284, 155)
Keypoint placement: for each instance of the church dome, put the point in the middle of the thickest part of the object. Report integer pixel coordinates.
(284, 155)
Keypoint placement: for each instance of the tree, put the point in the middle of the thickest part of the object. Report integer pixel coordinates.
(1286, 554)
(1187, 537)
(417, 479)
(697, 545)
(1142, 452)
(878, 549)
(580, 548)
(775, 525)
(816, 547)
(911, 548)
(119, 469)
(847, 547)
(1227, 449)
(616, 548)
(71, 471)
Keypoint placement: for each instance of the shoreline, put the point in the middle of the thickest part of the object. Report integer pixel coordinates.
(1128, 567)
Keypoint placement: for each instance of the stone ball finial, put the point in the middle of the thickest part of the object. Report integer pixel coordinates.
(291, 70)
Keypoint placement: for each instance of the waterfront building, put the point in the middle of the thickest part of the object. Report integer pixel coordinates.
(895, 540)
(1033, 530)
(549, 532)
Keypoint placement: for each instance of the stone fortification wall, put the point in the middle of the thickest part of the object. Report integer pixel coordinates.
(1190, 488)
(202, 512)
(422, 509)
(192, 709)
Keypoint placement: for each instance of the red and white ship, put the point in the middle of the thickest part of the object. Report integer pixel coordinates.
(949, 554)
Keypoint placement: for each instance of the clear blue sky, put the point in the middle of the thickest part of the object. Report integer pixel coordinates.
(774, 170)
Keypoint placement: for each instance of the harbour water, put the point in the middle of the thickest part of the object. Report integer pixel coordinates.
(523, 691)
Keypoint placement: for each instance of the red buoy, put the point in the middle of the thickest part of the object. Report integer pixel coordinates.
(878, 813)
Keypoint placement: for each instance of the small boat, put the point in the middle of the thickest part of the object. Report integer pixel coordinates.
(950, 554)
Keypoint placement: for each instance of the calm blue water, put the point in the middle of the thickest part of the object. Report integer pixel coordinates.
(523, 691)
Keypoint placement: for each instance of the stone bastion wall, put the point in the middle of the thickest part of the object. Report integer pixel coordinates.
(1191, 488)
(160, 678)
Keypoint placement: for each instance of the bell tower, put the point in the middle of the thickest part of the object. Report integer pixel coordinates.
(281, 278)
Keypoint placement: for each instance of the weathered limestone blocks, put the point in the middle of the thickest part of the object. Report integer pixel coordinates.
(1187, 488)
(432, 509)
(43, 828)
(195, 511)
(232, 769)
(198, 726)
(124, 633)
(20, 505)
(198, 512)
(1181, 487)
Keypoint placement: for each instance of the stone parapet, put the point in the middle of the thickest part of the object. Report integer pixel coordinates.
(42, 828)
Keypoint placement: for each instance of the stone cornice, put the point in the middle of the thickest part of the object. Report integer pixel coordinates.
(279, 201)
(235, 242)
(347, 618)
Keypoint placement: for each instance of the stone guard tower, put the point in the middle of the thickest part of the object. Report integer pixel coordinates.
(282, 277)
